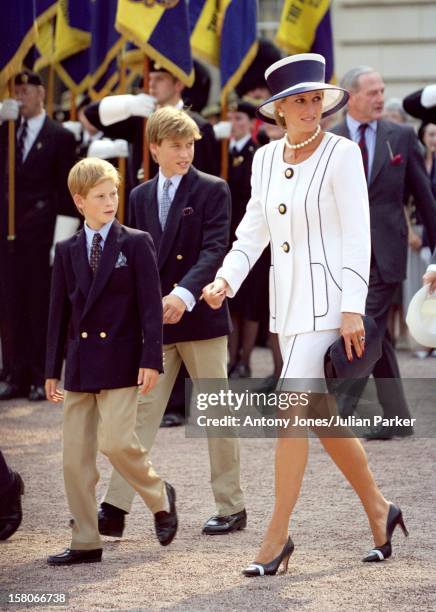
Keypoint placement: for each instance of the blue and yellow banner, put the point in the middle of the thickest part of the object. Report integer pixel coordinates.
(72, 41)
(44, 46)
(106, 44)
(18, 32)
(205, 19)
(239, 45)
(161, 30)
(306, 27)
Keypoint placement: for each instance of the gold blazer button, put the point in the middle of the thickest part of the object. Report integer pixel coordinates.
(282, 209)
(84, 334)
(179, 257)
(174, 285)
(103, 334)
(286, 247)
(289, 172)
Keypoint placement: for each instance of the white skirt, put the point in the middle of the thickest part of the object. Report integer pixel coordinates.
(303, 360)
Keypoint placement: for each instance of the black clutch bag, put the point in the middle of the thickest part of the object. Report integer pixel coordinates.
(336, 364)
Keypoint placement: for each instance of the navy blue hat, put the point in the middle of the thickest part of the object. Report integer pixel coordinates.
(243, 106)
(27, 78)
(298, 74)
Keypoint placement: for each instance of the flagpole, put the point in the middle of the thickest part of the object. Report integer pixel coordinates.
(122, 160)
(73, 107)
(50, 90)
(224, 144)
(145, 151)
(11, 169)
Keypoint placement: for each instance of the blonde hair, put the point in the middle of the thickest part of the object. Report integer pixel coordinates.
(88, 173)
(170, 122)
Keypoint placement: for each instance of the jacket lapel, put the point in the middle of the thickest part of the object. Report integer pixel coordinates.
(381, 153)
(175, 215)
(341, 129)
(151, 211)
(39, 143)
(109, 257)
(80, 263)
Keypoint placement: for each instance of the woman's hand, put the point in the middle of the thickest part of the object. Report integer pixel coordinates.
(353, 333)
(215, 293)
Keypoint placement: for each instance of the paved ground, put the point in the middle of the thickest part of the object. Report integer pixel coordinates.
(199, 573)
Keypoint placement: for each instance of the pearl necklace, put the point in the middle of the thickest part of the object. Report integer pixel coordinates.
(300, 145)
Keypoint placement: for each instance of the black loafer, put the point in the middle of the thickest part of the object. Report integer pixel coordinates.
(11, 513)
(36, 394)
(72, 557)
(172, 419)
(387, 433)
(10, 390)
(165, 523)
(220, 525)
(111, 521)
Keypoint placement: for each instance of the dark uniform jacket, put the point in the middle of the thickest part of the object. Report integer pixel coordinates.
(191, 247)
(398, 167)
(111, 324)
(239, 181)
(206, 156)
(41, 190)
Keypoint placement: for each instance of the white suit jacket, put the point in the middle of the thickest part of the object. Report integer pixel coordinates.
(315, 215)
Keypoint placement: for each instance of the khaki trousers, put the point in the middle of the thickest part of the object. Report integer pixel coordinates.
(103, 421)
(204, 359)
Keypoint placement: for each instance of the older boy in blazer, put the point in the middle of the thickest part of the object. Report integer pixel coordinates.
(187, 214)
(106, 310)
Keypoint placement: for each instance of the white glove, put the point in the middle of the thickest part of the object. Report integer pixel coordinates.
(10, 110)
(222, 130)
(107, 149)
(65, 227)
(75, 127)
(113, 109)
(428, 96)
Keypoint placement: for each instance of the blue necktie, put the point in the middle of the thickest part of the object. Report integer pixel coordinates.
(165, 203)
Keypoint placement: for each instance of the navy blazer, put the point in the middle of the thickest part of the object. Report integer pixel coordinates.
(110, 325)
(391, 180)
(191, 248)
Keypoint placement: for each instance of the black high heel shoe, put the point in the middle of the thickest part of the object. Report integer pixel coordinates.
(270, 569)
(380, 553)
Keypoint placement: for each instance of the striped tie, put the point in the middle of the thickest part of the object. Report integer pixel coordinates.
(21, 140)
(165, 203)
(363, 147)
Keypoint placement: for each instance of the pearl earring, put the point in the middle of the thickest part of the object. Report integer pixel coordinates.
(281, 114)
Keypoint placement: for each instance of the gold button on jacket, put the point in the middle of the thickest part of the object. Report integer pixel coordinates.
(286, 247)
(282, 209)
(179, 257)
(84, 335)
(103, 334)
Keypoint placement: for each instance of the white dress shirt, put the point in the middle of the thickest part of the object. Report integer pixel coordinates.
(34, 125)
(184, 294)
(90, 233)
(239, 144)
(370, 137)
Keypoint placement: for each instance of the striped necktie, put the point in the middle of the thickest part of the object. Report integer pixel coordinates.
(21, 141)
(165, 203)
(363, 147)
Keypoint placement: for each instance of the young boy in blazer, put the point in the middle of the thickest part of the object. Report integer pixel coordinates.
(187, 213)
(106, 311)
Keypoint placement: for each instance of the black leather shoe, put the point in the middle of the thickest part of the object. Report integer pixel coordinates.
(10, 390)
(111, 521)
(220, 525)
(271, 568)
(380, 553)
(36, 394)
(172, 419)
(165, 523)
(387, 433)
(11, 513)
(71, 557)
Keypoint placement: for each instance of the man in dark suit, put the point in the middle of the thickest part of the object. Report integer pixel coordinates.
(187, 214)
(394, 166)
(106, 313)
(11, 490)
(45, 152)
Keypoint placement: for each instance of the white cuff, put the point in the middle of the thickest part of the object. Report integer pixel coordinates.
(431, 268)
(186, 296)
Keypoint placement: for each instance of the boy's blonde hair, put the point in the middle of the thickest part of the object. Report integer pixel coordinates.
(88, 173)
(170, 122)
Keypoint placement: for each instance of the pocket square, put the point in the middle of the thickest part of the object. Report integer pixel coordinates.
(121, 261)
(187, 211)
